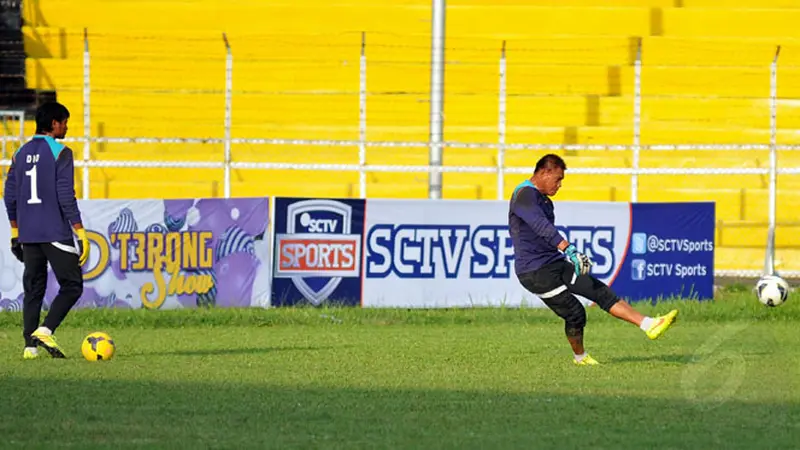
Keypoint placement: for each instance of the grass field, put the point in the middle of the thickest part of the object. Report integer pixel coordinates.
(726, 376)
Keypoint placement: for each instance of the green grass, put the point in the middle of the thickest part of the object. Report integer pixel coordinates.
(727, 376)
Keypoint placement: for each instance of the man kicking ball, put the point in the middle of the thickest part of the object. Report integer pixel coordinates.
(550, 267)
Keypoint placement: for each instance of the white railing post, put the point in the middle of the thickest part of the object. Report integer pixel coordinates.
(3, 137)
(228, 105)
(4, 134)
(769, 259)
(436, 99)
(501, 126)
(362, 119)
(637, 120)
(87, 122)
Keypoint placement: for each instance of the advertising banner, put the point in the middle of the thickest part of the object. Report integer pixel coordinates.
(459, 253)
(670, 252)
(318, 249)
(162, 254)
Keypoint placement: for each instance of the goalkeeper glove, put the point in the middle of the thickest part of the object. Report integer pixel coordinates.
(16, 246)
(83, 246)
(581, 262)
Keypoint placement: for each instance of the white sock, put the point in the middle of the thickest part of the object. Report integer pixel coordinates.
(580, 357)
(647, 322)
(45, 331)
(33, 350)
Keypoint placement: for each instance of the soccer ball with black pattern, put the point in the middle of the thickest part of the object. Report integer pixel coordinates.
(772, 290)
(98, 346)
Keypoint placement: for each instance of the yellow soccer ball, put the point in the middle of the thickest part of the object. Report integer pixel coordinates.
(98, 346)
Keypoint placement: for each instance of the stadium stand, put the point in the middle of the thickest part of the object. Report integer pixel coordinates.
(157, 70)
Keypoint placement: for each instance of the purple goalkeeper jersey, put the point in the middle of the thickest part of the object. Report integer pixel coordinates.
(531, 223)
(40, 191)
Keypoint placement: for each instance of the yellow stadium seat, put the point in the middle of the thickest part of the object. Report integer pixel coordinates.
(211, 15)
(552, 111)
(292, 154)
(687, 111)
(740, 82)
(268, 187)
(739, 4)
(519, 132)
(581, 3)
(742, 22)
(483, 52)
(392, 178)
(149, 189)
(713, 51)
(127, 175)
(524, 79)
(163, 152)
(482, 157)
(385, 190)
(490, 20)
(605, 193)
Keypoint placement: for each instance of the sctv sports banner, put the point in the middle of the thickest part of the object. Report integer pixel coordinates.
(418, 253)
(162, 254)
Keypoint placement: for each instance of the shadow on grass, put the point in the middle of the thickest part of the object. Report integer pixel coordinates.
(651, 358)
(237, 351)
(679, 359)
(153, 414)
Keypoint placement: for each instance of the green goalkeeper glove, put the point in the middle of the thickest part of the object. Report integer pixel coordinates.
(581, 262)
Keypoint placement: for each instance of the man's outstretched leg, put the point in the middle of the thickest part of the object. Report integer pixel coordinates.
(653, 327)
(595, 290)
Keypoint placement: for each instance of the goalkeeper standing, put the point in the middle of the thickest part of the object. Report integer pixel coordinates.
(43, 214)
(550, 267)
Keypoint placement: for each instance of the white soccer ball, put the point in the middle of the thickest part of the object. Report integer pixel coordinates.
(772, 290)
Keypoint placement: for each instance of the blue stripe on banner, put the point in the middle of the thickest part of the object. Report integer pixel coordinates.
(9, 305)
(125, 223)
(235, 240)
(207, 298)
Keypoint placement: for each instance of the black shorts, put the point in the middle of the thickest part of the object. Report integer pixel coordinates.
(556, 282)
(62, 257)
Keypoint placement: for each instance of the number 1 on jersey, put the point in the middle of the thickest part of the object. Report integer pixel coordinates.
(34, 194)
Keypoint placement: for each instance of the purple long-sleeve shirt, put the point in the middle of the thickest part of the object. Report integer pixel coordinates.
(531, 223)
(40, 191)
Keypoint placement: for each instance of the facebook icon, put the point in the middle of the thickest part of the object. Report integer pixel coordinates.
(638, 269)
(639, 243)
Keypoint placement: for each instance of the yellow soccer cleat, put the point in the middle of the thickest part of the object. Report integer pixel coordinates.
(586, 361)
(48, 342)
(30, 353)
(662, 323)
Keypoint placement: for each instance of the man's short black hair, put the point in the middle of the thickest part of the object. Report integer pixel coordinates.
(550, 161)
(47, 113)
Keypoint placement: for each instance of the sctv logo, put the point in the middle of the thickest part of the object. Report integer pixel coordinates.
(595, 242)
(431, 251)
